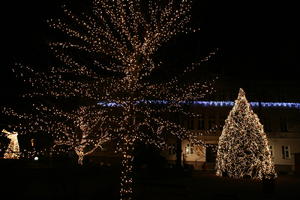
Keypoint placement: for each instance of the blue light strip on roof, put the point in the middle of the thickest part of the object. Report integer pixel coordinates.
(215, 104)
(253, 104)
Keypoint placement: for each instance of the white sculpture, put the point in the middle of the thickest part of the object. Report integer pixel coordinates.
(13, 150)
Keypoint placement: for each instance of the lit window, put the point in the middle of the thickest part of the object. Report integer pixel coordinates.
(189, 149)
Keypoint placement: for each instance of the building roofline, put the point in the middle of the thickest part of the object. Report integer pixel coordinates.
(216, 104)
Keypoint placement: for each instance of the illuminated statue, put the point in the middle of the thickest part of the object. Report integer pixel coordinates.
(13, 149)
(243, 149)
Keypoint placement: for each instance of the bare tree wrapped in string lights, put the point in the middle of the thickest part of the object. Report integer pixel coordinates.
(84, 130)
(243, 149)
(117, 43)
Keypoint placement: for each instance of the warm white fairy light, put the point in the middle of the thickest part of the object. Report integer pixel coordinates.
(243, 149)
(82, 130)
(122, 38)
(13, 149)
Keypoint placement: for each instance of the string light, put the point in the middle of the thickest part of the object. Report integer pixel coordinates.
(122, 38)
(87, 132)
(82, 130)
(215, 104)
(243, 149)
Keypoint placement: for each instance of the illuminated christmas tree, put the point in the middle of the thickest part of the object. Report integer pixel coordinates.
(111, 60)
(243, 149)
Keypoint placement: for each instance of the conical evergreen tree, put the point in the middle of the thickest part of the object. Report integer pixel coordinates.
(243, 149)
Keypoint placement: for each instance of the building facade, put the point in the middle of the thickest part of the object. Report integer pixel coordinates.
(281, 123)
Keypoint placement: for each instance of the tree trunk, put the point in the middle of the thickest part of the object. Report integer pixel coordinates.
(178, 153)
(126, 190)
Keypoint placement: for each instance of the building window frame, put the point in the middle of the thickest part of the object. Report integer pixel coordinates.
(172, 149)
(267, 124)
(201, 122)
(211, 122)
(286, 152)
(283, 124)
(271, 147)
(189, 148)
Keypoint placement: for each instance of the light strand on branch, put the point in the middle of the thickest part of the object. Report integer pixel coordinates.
(114, 60)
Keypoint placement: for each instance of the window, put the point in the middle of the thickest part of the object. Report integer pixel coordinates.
(283, 124)
(267, 124)
(172, 149)
(191, 123)
(211, 153)
(271, 151)
(201, 125)
(285, 150)
(211, 122)
(184, 123)
(222, 120)
(189, 149)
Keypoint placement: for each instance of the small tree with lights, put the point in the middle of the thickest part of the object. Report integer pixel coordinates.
(243, 149)
(83, 130)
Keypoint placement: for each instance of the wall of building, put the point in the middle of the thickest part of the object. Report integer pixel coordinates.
(282, 126)
(283, 152)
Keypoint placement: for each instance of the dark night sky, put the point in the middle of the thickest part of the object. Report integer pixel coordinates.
(256, 40)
